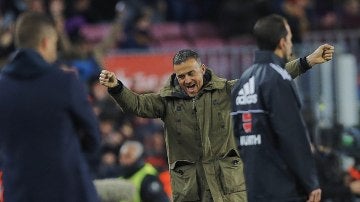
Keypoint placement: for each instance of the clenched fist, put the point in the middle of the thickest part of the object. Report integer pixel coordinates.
(108, 79)
(322, 54)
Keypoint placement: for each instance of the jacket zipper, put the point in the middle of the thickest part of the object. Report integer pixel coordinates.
(193, 103)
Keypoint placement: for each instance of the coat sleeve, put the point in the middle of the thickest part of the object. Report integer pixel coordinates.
(290, 131)
(83, 116)
(149, 105)
(295, 68)
(230, 85)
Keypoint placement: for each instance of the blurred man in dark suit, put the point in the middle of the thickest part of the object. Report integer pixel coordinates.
(42, 109)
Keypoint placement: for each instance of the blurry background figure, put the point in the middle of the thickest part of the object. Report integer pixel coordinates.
(7, 18)
(326, 14)
(350, 14)
(37, 6)
(49, 133)
(138, 32)
(339, 182)
(108, 164)
(297, 13)
(236, 18)
(80, 48)
(155, 150)
(155, 154)
(143, 175)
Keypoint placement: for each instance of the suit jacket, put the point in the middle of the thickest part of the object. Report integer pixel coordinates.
(42, 111)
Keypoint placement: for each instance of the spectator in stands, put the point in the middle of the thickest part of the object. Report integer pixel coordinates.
(43, 151)
(144, 127)
(6, 36)
(297, 14)
(36, 6)
(236, 17)
(108, 167)
(103, 105)
(77, 52)
(138, 32)
(335, 182)
(350, 14)
(326, 14)
(154, 145)
(185, 11)
(127, 130)
(195, 105)
(143, 175)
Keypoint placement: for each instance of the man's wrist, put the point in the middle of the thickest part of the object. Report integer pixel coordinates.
(116, 89)
(310, 61)
(305, 65)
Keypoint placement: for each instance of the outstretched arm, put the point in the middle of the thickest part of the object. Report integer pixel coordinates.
(148, 105)
(299, 66)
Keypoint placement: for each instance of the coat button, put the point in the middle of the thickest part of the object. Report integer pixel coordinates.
(235, 162)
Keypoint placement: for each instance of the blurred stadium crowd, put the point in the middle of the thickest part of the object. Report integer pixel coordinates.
(91, 29)
(140, 24)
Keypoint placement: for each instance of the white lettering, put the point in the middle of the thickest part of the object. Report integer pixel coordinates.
(246, 99)
(246, 94)
(249, 140)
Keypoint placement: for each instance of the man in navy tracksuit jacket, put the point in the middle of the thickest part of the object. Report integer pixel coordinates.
(272, 137)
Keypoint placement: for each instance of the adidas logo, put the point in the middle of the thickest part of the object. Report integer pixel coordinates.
(246, 94)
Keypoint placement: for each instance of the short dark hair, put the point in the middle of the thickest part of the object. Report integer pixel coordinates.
(184, 55)
(269, 30)
(30, 28)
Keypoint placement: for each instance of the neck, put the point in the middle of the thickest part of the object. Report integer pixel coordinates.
(279, 53)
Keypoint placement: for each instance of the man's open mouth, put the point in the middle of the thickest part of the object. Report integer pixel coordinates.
(190, 87)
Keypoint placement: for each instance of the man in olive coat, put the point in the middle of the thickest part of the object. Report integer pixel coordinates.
(42, 109)
(204, 162)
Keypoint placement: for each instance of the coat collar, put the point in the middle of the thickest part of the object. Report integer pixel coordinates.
(211, 82)
(26, 64)
(263, 56)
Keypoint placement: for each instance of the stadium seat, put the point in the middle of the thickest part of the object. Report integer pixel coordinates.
(163, 31)
(208, 42)
(200, 29)
(241, 41)
(174, 43)
(95, 32)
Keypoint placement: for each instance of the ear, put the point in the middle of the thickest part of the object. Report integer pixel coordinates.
(203, 68)
(282, 44)
(43, 43)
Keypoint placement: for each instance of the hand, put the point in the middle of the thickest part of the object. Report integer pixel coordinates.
(108, 79)
(322, 54)
(315, 196)
(355, 187)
